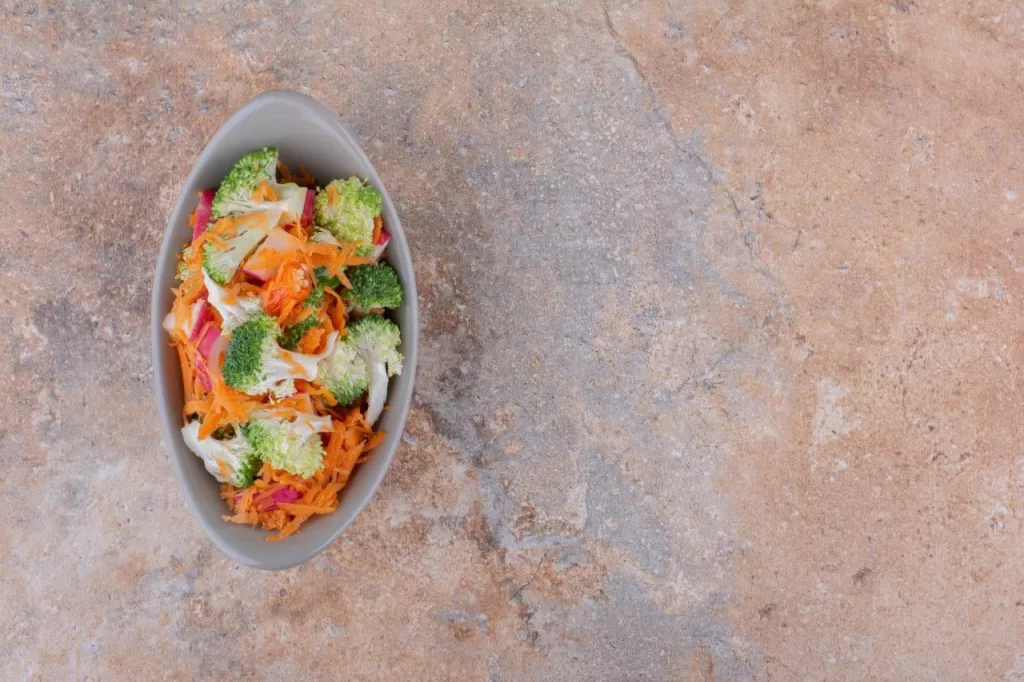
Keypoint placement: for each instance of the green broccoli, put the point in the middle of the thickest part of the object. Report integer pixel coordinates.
(346, 209)
(363, 361)
(294, 333)
(255, 363)
(234, 197)
(373, 286)
(235, 193)
(377, 340)
(344, 373)
(315, 298)
(232, 461)
(293, 446)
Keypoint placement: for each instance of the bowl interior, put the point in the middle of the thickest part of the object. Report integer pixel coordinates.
(305, 133)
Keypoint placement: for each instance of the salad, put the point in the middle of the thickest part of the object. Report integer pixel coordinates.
(279, 326)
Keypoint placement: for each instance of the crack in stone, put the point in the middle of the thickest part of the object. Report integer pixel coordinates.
(623, 48)
(533, 576)
(749, 236)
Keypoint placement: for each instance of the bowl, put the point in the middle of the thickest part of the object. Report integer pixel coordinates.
(306, 133)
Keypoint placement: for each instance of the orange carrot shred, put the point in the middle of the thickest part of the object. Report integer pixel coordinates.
(378, 225)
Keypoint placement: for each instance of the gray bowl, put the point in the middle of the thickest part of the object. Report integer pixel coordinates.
(306, 133)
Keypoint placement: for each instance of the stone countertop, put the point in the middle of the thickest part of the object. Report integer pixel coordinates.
(722, 346)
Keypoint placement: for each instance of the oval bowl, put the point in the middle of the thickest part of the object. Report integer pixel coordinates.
(306, 133)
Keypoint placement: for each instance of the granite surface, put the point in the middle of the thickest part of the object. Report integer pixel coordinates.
(722, 347)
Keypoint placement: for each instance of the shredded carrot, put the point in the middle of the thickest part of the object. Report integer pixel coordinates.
(228, 406)
(311, 341)
(375, 439)
(303, 178)
(316, 393)
(192, 288)
(287, 290)
(378, 225)
(200, 406)
(305, 508)
(334, 259)
(283, 172)
(186, 373)
(299, 402)
(336, 310)
(221, 229)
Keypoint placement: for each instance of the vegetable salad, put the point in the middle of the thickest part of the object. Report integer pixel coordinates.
(280, 328)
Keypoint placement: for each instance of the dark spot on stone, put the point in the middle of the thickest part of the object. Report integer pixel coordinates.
(863, 574)
(675, 31)
(73, 496)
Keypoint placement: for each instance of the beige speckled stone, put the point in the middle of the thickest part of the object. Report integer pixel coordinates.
(722, 345)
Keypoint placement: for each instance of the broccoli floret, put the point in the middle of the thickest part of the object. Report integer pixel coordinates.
(377, 340)
(232, 461)
(346, 208)
(344, 373)
(235, 193)
(373, 286)
(234, 196)
(254, 363)
(315, 298)
(222, 258)
(221, 262)
(329, 281)
(363, 361)
(293, 446)
(252, 342)
(293, 334)
(232, 314)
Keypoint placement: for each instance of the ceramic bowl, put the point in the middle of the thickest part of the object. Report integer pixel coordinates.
(306, 133)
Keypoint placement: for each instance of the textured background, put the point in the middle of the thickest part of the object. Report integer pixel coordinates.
(722, 345)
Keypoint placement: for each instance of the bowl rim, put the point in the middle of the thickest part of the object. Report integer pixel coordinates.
(399, 405)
